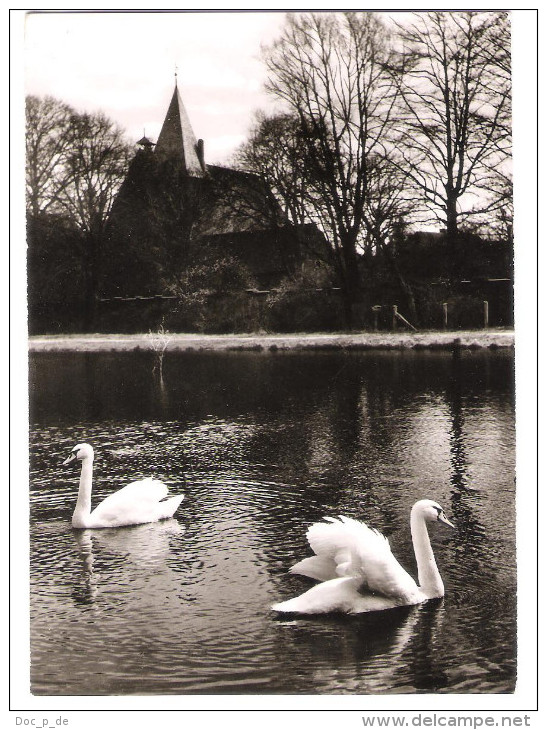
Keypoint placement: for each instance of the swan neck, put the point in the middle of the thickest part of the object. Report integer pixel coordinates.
(429, 577)
(83, 503)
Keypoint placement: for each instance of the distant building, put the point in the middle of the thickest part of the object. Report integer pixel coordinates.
(173, 207)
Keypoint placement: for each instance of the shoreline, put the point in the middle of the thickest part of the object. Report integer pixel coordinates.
(173, 342)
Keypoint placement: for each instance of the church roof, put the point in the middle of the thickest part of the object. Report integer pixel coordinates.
(238, 202)
(177, 139)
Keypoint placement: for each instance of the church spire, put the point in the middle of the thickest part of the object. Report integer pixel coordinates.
(177, 139)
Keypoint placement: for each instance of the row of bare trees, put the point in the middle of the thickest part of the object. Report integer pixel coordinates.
(75, 164)
(387, 122)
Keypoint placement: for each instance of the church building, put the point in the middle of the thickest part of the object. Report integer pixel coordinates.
(174, 211)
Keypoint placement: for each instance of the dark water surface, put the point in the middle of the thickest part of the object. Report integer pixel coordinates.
(263, 444)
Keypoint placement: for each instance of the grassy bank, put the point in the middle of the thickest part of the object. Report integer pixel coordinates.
(472, 339)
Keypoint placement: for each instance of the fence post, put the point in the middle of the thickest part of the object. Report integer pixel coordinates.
(394, 317)
(375, 309)
(485, 312)
(445, 315)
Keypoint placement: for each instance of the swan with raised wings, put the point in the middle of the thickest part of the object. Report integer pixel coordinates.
(137, 503)
(359, 573)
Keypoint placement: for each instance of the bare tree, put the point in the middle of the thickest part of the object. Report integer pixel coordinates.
(454, 115)
(95, 166)
(275, 152)
(330, 70)
(74, 166)
(388, 207)
(47, 144)
(499, 177)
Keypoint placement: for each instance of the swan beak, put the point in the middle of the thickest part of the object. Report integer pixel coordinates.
(70, 459)
(444, 519)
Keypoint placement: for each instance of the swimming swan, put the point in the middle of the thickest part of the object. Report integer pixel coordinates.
(358, 571)
(135, 504)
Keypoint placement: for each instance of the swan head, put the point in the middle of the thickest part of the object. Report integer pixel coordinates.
(430, 511)
(79, 452)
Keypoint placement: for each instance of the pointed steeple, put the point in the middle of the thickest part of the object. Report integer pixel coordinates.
(177, 139)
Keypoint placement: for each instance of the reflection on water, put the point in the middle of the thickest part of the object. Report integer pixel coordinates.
(263, 444)
(145, 546)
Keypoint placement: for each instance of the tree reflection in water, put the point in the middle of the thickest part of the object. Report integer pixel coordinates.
(262, 445)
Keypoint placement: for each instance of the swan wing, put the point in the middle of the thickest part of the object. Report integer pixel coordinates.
(150, 490)
(138, 502)
(318, 567)
(355, 550)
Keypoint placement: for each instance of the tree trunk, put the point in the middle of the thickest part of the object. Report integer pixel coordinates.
(405, 287)
(351, 284)
(454, 264)
(91, 281)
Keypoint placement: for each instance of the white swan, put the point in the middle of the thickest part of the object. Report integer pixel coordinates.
(358, 571)
(135, 504)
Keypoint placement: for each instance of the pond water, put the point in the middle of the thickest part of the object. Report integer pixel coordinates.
(263, 444)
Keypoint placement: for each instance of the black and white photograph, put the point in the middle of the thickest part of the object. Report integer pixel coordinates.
(267, 336)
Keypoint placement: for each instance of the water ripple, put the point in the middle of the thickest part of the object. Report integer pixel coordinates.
(263, 446)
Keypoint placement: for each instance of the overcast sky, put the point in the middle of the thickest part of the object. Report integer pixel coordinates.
(124, 65)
